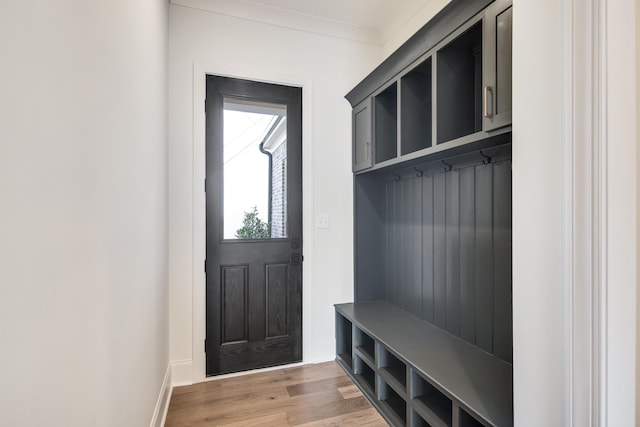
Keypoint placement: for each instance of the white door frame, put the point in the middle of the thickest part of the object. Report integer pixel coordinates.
(602, 247)
(200, 71)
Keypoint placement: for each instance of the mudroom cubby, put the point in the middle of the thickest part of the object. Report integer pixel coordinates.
(429, 335)
(385, 134)
(344, 341)
(416, 108)
(459, 84)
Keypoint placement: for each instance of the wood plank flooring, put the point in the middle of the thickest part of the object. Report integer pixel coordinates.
(309, 396)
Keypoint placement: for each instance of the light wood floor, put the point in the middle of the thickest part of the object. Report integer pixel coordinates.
(311, 395)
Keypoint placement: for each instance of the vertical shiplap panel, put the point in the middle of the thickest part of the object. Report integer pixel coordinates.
(401, 243)
(453, 251)
(415, 275)
(439, 251)
(484, 257)
(390, 241)
(427, 249)
(502, 325)
(467, 254)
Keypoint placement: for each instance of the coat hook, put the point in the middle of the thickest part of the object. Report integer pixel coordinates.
(419, 173)
(448, 167)
(487, 159)
(396, 177)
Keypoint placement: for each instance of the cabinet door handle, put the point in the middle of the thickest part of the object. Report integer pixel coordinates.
(367, 149)
(485, 101)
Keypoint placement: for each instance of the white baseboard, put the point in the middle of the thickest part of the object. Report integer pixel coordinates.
(164, 397)
(181, 372)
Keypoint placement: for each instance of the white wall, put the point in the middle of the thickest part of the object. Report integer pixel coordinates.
(417, 21)
(540, 278)
(83, 212)
(331, 67)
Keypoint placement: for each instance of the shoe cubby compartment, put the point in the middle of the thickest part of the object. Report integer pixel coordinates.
(391, 400)
(365, 375)
(385, 131)
(430, 403)
(393, 370)
(459, 85)
(365, 347)
(467, 420)
(416, 108)
(417, 421)
(344, 342)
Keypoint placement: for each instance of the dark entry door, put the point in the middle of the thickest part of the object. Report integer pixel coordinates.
(254, 225)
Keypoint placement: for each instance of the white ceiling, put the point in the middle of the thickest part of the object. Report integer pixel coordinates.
(370, 21)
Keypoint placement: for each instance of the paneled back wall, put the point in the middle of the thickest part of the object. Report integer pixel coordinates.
(447, 250)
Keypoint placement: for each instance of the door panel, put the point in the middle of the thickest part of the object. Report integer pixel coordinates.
(254, 274)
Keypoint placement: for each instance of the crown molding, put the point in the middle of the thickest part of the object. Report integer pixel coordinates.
(287, 19)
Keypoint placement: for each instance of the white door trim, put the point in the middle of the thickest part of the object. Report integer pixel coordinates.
(603, 212)
(200, 71)
(585, 215)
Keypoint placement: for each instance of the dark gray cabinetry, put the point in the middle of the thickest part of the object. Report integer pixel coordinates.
(429, 336)
(361, 125)
(417, 375)
(456, 90)
(497, 65)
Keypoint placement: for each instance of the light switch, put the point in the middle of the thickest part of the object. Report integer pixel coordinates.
(322, 221)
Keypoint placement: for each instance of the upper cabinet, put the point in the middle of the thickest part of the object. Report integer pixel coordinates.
(447, 87)
(497, 65)
(362, 158)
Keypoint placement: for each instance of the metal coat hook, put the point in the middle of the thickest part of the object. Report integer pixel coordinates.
(447, 166)
(487, 159)
(419, 173)
(396, 177)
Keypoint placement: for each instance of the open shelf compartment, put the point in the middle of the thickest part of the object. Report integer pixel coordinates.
(416, 107)
(393, 369)
(459, 85)
(365, 345)
(385, 110)
(431, 403)
(417, 421)
(393, 401)
(344, 343)
(467, 420)
(365, 375)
